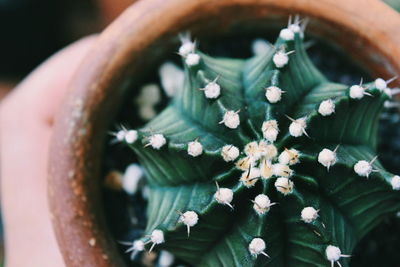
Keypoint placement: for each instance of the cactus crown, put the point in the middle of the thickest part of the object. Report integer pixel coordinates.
(263, 162)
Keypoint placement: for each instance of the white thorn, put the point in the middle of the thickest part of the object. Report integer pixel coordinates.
(229, 153)
(326, 108)
(192, 59)
(187, 46)
(363, 168)
(131, 136)
(309, 214)
(284, 185)
(357, 92)
(231, 119)
(286, 34)
(156, 141)
(327, 157)
(270, 130)
(298, 127)
(273, 94)
(283, 170)
(289, 157)
(190, 219)
(395, 182)
(257, 246)
(250, 176)
(156, 237)
(195, 148)
(262, 204)
(280, 59)
(224, 196)
(212, 90)
(391, 79)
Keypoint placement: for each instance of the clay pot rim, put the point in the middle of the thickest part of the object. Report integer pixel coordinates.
(81, 125)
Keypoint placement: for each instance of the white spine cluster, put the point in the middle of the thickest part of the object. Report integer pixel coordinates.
(273, 94)
(257, 247)
(270, 130)
(244, 163)
(380, 84)
(326, 108)
(212, 90)
(156, 237)
(269, 151)
(231, 119)
(333, 254)
(363, 168)
(287, 34)
(283, 170)
(224, 196)
(262, 203)
(357, 92)
(309, 214)
(327, 157)
(120, 135)
(195, 148)
(280, 59)
(186, 47)
(188, 51)
(289, 157)
(250, 176)
(136, 247)
(266, 169)
(229, 153)
(131, 136)
(190, 219)
(395, 182)
(252, 150)
(284, 185)
(294, 28)
(192, 59)
(157, 141)
(298, 127)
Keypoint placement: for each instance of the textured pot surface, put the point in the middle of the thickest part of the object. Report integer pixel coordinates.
(140, 36)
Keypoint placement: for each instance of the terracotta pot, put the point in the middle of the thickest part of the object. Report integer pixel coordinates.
(111, 9)
(139, 37)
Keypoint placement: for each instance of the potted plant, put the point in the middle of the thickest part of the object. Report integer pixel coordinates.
(134, 42)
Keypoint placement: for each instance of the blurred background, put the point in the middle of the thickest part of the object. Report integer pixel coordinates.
(32, 30)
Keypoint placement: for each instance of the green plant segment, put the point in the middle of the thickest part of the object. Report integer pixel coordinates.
(395, 4)
(263, 162)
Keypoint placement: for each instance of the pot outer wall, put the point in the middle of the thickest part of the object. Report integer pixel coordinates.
(140, 37)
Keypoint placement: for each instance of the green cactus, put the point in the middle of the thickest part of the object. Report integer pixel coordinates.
(263, 162)
(395, 4)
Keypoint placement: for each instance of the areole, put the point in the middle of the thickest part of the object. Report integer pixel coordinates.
(127, 46)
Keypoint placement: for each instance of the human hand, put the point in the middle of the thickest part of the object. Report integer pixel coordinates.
(26, 124)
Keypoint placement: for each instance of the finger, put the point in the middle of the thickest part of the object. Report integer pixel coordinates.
(41, 93)
(24, 139)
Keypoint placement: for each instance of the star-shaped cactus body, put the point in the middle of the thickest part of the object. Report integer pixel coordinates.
(264, 162)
